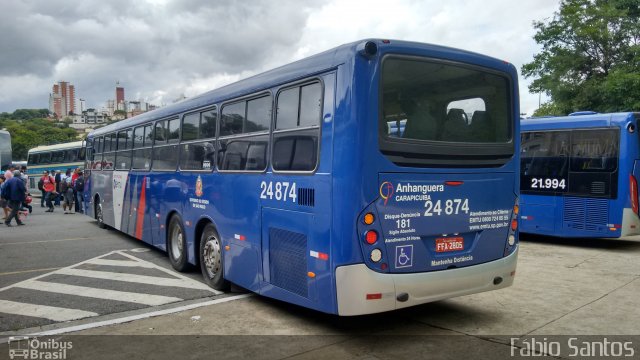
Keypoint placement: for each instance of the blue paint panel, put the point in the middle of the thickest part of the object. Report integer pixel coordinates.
(421, 211)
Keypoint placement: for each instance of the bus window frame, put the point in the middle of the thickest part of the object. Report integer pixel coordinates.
(199, 140)
(246, 99)
(298, 84)
(439, 153)
(613, 190)
(126, 148)
(144, 145)
(165, 142)
(113, 140)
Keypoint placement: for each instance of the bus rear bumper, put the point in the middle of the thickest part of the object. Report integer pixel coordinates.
(356, 283)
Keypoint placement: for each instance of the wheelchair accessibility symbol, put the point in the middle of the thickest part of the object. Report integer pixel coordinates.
(404, 256)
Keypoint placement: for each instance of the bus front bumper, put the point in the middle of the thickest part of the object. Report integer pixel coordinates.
(355, 283)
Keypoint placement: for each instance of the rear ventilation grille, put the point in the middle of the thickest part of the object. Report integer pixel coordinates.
(585, 214)
(288, 260)
(598, 188)
(306, 196)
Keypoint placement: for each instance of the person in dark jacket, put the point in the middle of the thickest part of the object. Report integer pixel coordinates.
(58, 179)
(15, 192)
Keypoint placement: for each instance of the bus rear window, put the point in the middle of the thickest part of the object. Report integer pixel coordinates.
(430, 104)
(574, 162)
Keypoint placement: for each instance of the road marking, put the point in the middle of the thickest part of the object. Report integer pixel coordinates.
(27, 271)
(133, 278)
(39, 283)
(83, 291)
(170, 272)
(48, 241)
(43, 311)
(135, 317)
(129, 263)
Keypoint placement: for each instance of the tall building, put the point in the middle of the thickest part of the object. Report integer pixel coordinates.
(62, 100)
(119, 95)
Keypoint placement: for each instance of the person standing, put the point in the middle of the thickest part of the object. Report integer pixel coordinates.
(3, 201)
(58, 179)
(15, 192)
(79, 188)
(74, 178)
(49, 186)
(41, 187)
(67, 191)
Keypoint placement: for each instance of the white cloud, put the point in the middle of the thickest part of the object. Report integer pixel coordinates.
(160, 49)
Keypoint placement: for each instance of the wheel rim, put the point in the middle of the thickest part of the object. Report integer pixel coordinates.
(211, 256)
(99, 213)
(176, 242)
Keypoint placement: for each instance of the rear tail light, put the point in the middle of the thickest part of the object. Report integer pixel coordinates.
(514, 224)
(371, 237)
(633, 191)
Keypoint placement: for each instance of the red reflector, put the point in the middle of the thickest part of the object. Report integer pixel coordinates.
(371, 237)
(323, 256)
(454, 183)
(633, 192)
(374, 296)
(383, 266)
(514, 224)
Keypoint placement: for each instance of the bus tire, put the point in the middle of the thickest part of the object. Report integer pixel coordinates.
(99, 214)
(177, 244)
(210, 256)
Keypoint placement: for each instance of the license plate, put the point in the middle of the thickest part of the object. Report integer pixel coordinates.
(449, 244)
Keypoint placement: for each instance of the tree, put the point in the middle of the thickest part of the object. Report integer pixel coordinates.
(590, 58)
(27, 134)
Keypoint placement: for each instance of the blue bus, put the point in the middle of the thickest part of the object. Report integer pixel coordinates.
(227, 181)
(52, 158)
(579, 175)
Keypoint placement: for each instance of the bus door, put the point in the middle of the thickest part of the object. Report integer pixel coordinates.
(295, 198)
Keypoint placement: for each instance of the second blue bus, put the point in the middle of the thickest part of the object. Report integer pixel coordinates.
(579, 175)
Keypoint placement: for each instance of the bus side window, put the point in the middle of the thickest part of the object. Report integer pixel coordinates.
(246, 151)
(297, 128)
(142, 142)
(165, 150)
(123, 156)
(198, 154)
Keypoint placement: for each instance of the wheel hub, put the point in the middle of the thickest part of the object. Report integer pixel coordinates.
(211, 255)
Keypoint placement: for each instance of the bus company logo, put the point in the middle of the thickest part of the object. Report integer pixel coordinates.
(199, 186)
(22, 347)
(386, 191)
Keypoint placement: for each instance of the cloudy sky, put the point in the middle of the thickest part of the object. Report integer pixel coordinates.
(161, 49)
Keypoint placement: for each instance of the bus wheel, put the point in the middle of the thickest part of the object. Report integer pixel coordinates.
(211, 259)
(177, 245)
(99, 215)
